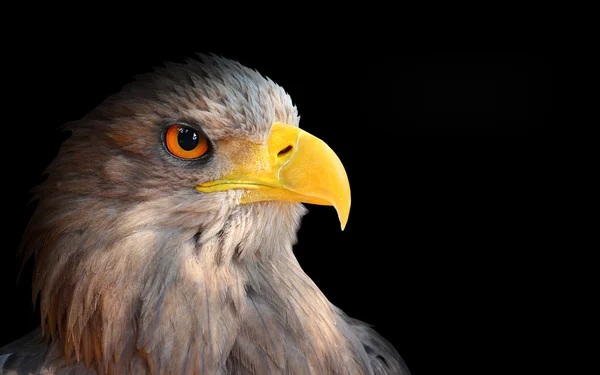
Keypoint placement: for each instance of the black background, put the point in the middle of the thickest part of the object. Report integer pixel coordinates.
(447, 158)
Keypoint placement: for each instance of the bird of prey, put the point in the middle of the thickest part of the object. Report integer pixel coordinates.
(163, 237)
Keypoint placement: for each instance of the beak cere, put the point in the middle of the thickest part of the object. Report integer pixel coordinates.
(293, 165)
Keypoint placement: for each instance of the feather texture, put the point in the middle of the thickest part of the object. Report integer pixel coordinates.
(138, 273)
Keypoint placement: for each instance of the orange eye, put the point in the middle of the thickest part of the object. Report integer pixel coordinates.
(185, 142)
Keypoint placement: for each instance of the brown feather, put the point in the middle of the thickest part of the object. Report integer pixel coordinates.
(138, 273)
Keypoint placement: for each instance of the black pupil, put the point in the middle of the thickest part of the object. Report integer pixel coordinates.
(187, 139)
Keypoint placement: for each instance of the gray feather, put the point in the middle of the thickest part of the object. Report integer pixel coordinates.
(138, 273)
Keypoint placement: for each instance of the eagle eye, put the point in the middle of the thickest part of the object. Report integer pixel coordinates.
(185, 142)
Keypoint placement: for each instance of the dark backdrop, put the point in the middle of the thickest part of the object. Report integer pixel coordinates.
(446, 158)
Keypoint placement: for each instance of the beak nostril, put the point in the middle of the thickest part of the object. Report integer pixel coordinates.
(284, 151)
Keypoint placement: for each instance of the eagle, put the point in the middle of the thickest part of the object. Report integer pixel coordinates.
(163, 237)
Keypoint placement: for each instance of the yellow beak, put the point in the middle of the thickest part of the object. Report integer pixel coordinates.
(293, 165)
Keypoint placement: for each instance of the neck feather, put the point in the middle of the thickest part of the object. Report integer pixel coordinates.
(182, 298)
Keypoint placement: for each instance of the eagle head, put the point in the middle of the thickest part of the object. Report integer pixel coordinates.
(163, 233)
